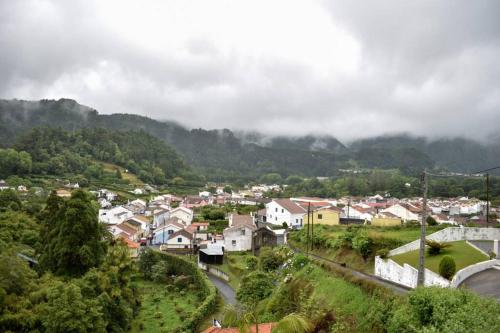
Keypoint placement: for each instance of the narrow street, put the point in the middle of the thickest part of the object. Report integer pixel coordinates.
(227, 292)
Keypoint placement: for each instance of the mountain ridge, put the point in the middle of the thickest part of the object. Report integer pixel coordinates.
(222, 153)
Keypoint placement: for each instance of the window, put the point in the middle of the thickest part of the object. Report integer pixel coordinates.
(179, 240)
(170, 232)
(320, 216)
(276, 209)
(282, 210)
(275, 218)
(297, 221)
(243, 232)
(233, 242)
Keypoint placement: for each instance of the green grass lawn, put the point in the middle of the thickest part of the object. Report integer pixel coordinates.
(463, 253)
(161, 309)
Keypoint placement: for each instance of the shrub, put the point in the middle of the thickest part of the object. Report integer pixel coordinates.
(435, 247)
(159, 272)
(299, 261)
(447, 267)
(383, 253)
(251, 263)
(362, 244)
(431, 221)
(270, 260)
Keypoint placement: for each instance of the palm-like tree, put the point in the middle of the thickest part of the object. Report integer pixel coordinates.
(293, 323)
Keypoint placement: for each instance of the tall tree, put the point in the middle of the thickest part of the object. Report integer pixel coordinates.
(76, 242)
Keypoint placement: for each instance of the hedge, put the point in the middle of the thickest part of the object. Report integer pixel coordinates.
(185, 267)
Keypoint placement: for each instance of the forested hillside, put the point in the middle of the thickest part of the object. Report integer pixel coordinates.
(457, 154)
(225, 155)
(51, 151)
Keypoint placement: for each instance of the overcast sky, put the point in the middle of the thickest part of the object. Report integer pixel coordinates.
(345, 68)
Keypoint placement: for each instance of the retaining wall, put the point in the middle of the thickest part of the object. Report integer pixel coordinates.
(466, 272)
(406, 275)
(452, 234)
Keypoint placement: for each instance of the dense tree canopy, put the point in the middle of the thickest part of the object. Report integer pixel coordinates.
(74, 242)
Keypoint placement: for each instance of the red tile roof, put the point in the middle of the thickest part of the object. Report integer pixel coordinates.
(130, 244)
(263, 328)
(290, 206)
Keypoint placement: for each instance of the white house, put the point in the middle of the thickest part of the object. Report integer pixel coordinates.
(3, 185)
(160, 216)
(184, 214)
(114, 215)
(238, 237)
(180, 240)
(406, 212)
(356, 212)
(279, 211)
(140, 221)
(163, 233)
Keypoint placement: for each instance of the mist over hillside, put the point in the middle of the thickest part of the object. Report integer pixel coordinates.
(224, 154)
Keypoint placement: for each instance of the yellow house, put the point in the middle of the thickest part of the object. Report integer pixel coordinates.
(325, 215)
(386, 220)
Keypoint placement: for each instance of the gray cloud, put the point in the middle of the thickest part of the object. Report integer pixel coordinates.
(345, 68)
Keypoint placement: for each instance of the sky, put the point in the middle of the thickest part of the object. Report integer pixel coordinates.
(350, 69)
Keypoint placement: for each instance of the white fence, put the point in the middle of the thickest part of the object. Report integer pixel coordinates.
(406, 275)
(451, 235)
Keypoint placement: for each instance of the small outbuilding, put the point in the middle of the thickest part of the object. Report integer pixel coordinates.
(212, 255)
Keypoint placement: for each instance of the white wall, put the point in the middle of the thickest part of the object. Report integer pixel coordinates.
(464, 273)
(452, 234)
(406, 275)
(243, 242)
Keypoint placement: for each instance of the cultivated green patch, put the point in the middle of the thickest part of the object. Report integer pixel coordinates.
(162, 308)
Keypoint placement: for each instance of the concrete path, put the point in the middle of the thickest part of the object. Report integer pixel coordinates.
(486, 283)
(396, 288)
(225, 289)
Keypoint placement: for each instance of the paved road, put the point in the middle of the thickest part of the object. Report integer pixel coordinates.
(225, 289)
(486, 283)
(398, 289)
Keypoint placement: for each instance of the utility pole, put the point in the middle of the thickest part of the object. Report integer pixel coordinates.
(308, 212)
(312, 229)
(348, 208)
(421, 265)
(487, 199)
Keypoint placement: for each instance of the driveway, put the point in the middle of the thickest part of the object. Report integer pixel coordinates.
(486, 283)
(225, 289)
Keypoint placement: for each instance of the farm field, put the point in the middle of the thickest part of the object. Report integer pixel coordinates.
(162, 309)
